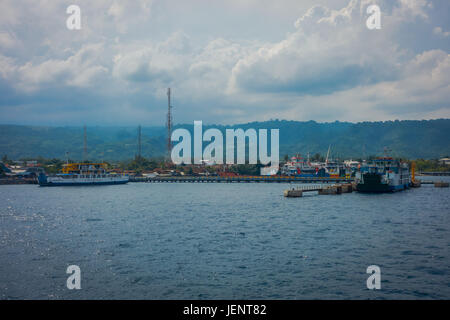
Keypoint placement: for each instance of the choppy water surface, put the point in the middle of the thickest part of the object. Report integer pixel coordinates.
(222, 241)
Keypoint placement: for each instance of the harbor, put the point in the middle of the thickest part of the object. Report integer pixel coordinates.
(225, 159)
(171, 177)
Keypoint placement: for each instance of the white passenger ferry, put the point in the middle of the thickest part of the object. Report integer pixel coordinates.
(74, 174)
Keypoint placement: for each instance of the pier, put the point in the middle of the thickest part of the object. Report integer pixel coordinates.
(242, 179)
(437, 184)
(322, 189)
(434, 173)
(425, 182)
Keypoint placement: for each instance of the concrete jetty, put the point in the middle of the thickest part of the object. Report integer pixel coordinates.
(331, 190)
(441, 184)
(322, 189)
(293, 193)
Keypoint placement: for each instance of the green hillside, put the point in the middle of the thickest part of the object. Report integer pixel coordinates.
(409, 139)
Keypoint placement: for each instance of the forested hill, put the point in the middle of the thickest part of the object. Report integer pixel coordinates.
(409, 139)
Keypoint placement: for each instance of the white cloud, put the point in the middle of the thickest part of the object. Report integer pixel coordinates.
(320, 57)
(414, 8)
(160, 63)
(438, 31)
(128, 14)
(79, 70)
(333, 67)
(327, 66)
(8, 40)
(7, 67)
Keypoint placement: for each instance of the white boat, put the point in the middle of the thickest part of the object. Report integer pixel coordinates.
(74, 174)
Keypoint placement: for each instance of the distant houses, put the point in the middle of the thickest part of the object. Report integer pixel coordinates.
(22, 169)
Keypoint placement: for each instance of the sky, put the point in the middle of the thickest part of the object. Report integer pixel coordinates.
(227, 62)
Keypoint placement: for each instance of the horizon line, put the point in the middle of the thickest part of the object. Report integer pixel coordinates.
(213, 124)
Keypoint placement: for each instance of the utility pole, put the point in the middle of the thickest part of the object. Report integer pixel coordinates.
(139, 142)
(169, 126)
(84, 144)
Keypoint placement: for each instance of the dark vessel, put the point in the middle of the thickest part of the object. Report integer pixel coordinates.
(383, 175)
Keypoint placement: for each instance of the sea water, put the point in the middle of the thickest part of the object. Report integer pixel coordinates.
(222, 241)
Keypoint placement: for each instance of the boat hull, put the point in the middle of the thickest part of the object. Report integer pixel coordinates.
(60, 184)
(372, 184)
(363, 188)
(46, 181)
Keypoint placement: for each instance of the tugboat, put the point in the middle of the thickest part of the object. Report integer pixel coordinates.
(75, 174)
(383, 175)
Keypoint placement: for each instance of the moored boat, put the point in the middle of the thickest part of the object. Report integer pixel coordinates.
(383, 175)
(300, 167)
(75, 174)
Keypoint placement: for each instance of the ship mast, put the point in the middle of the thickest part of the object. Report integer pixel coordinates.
(328, 154)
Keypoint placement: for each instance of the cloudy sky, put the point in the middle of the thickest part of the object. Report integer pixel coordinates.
(227, 62)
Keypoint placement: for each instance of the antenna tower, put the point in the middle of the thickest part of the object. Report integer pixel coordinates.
(169, 126)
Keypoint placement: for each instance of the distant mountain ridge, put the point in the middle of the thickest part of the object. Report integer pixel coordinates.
(408, 139)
